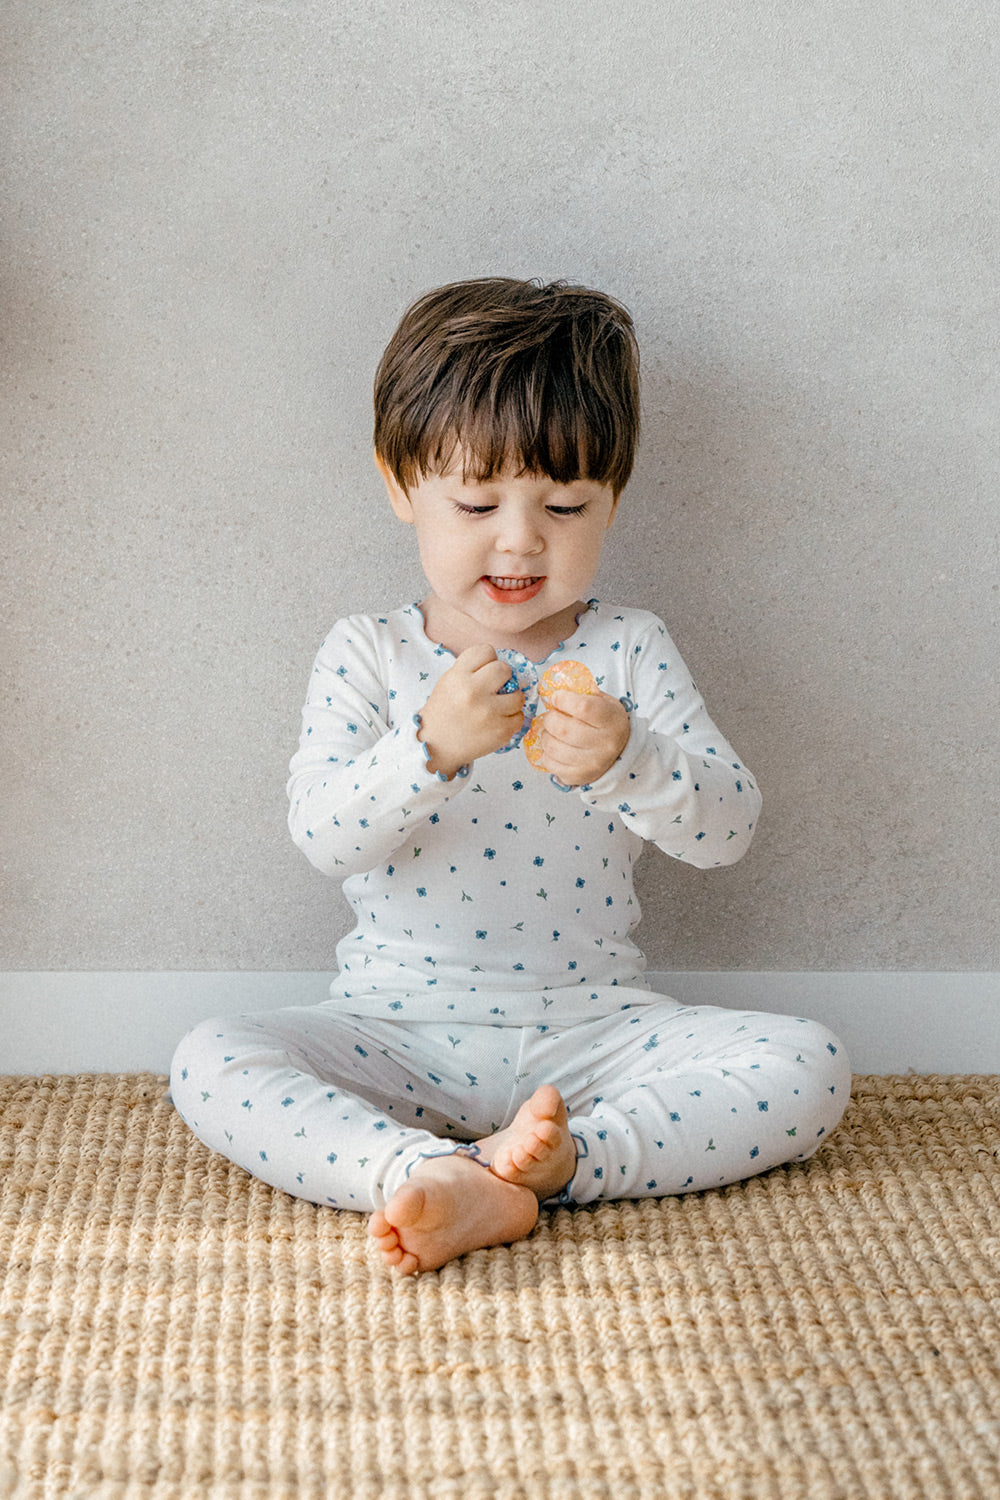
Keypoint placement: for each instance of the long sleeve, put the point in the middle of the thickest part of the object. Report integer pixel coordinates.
(678, 783)
(359, 784)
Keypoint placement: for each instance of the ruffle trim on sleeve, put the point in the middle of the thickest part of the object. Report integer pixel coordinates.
(462, 770)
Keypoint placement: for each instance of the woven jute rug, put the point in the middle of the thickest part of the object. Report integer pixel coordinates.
(171, 1328)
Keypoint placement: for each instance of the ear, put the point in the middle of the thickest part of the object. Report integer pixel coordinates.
(398, 498)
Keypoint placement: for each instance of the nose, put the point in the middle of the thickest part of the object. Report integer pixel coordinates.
(519, 533)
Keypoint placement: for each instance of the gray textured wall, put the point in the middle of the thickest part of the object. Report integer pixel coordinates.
(215, 213)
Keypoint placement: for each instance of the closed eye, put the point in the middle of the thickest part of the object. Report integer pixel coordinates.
(488, 510)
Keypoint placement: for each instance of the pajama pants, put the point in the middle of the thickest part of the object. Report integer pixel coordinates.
(663, 1098)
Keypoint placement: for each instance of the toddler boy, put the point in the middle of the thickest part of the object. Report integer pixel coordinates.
(490, 1042)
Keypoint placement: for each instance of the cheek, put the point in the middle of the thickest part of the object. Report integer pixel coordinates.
(431, 543)
(442, 554)
(588, 554)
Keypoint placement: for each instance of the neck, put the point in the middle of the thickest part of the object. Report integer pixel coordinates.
(457, 632)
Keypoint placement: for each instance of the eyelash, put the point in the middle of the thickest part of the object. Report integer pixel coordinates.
(487, 510)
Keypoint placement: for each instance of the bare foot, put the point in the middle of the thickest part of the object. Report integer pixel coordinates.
(536, 1149)
(449, 1206)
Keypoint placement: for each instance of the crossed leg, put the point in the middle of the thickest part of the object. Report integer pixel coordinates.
(725, 1103)
(449, 1205)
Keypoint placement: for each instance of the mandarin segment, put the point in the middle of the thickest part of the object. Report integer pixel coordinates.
(561, 677)
(532, 743)
(567, 677)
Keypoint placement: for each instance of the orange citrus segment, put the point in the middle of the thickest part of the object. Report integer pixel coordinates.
(532, 743)
(566, 677)
(563, 677)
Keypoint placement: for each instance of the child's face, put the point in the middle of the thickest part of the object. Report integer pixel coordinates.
(509, 561)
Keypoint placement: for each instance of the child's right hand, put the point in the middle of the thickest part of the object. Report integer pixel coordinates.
(467, 715)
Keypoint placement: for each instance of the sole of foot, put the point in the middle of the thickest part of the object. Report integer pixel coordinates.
(536, 1150)
(448, 1207)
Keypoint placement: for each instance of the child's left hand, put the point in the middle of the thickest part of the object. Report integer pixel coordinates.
(581, 736)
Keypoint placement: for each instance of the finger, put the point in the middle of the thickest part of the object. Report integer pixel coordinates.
(489, 668)
(475, 657)
(558, 764)
(494, 674)
(510, 701)
(510, 708)
(574, 733)
(589, 708)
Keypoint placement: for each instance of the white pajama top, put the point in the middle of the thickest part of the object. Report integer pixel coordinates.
(501, 897)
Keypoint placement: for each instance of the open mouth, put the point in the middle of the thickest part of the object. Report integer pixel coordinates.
(511, 590)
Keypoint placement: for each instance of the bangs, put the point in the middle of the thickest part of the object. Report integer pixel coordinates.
(528, 423)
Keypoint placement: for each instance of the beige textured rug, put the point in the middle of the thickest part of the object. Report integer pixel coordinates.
(171, 1329)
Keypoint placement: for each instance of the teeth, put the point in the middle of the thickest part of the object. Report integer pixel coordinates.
(513, 583)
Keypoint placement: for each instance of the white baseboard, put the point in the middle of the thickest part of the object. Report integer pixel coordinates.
(88, 1022)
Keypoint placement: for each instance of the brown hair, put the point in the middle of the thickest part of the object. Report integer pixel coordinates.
(541, 379)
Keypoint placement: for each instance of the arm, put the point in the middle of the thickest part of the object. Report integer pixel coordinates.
(360, 784)
(660, 765)
(678, 782)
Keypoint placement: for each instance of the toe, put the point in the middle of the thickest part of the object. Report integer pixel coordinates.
(406, 1206)
(546, 1102)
